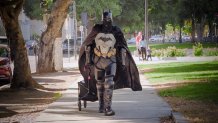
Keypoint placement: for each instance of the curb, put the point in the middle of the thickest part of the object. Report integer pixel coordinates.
(178, 117)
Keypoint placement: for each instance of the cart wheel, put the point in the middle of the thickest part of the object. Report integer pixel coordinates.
(79, 101)
(79, 105)
(85, 104)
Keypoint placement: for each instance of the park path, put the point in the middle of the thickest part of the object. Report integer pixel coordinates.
(131, 107)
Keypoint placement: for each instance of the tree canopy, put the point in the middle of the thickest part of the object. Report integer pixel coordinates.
(132, 15)
(95, 8)
(32, 9)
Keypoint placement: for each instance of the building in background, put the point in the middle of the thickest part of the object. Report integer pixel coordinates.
(31, 28)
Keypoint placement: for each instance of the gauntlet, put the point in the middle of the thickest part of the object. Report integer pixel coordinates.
(88, 55)
(123, 56)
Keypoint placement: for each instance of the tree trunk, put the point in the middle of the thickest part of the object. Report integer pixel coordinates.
(163, 31)
(54, 27)
(2, 30)
(21, 75)
(200, 29)
(90, 25)
(210, 30)
(193, 30)
(180, 34)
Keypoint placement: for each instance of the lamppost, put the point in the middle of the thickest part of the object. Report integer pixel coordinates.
(75, 29)
(81, 35)
(214, 28)
(146, 23)
(68, 36)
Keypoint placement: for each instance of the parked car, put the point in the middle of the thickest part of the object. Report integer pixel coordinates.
(186, 38)
(172, 39)
(5, 63)
(156, 38)
(30, 44)
(71, 46)
(3, 40)
(131, 41)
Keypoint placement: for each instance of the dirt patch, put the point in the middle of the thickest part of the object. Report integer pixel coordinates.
(173, 84)
(147, 70)
(168, 119)
(24, 101)
(195, 111)
(20, 105)
(10, 97)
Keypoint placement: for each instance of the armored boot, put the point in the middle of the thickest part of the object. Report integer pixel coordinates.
(100, 89)
(108, 97)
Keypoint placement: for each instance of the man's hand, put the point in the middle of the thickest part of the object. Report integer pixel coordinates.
(123, 67)
(87, 66)
(123, 56)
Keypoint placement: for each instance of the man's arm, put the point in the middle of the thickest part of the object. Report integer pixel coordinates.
(121, 44)
(123, 56)
(88, 55)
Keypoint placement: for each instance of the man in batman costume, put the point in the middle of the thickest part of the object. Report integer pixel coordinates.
(105, 63)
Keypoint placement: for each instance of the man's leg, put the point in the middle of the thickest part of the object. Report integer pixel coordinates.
(147, 57)
(139, 53)
(145, 53)
(99, 76)
(142, 52)
(109, 86)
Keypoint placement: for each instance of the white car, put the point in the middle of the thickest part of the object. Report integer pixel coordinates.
(186, 38)
(131, 41)
(156, 38)
(71, 45)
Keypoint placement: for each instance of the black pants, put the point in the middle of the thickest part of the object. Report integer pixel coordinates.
(143, 53)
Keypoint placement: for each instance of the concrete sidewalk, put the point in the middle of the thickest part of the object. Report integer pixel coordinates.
(131, 107)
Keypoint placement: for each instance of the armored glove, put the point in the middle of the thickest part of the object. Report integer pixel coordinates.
(123, 58)
(88, 56)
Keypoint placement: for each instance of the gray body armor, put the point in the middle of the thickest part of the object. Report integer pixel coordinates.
(105, 68)
(105, 45)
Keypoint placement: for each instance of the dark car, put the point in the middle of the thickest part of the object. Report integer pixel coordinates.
(131, 41)
(71, 45)
(3, 40)
(5, 63)
(30, 44)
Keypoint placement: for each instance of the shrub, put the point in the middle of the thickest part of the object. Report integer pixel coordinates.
(198, 49)
(157, 53)
(211, 52)
(171, 51)
(181, 52)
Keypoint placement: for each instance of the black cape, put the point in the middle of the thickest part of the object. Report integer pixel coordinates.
(124, 78)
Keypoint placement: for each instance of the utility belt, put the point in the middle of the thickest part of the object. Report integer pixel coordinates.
(112, 52)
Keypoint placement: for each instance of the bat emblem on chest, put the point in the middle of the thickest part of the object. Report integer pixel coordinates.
(105, 39)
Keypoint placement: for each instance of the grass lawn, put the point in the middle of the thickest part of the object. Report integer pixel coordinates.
(198, 100)
(177, 72)
(187, 45)
(132, 47)
(206, 92)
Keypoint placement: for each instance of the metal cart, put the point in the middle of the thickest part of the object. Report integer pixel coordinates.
(84, 94)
